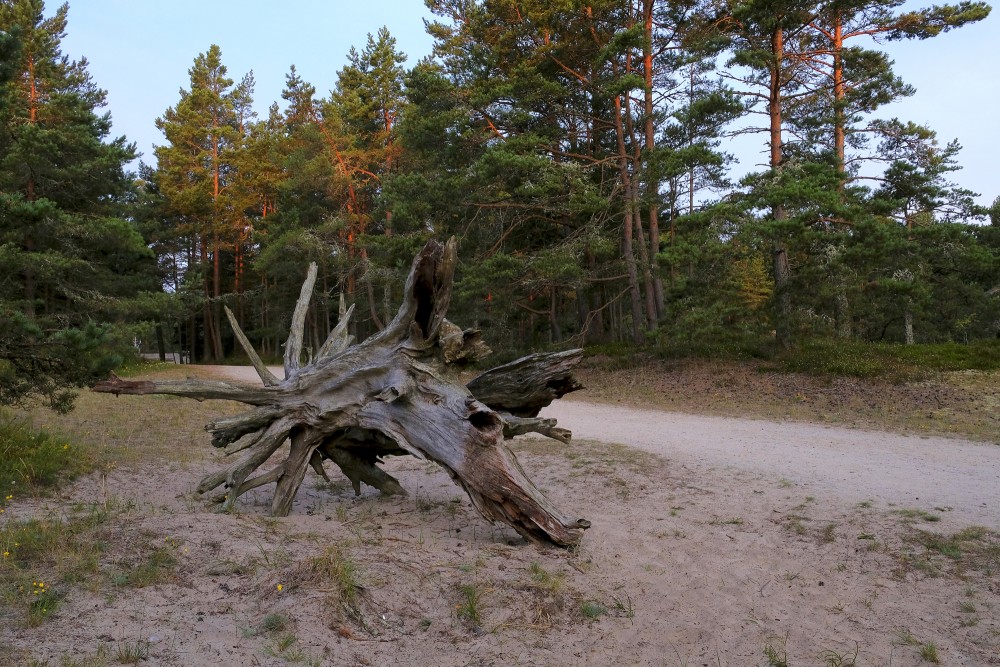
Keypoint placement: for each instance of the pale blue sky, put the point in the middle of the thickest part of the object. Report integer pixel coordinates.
(140, 51)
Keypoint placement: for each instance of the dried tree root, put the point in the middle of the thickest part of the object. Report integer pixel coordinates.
(392, 394)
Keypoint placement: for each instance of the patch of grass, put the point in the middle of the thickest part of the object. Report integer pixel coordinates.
(906, 638)
(274, 622)
(776, 653)
(131, 430)
(425, 505)
(98, 659)
(468, 606)
(918, 515)
(928, 652)
(284, 648)
(33, 462)
(974, 548)
(893, 362)
(53, 550)
(623, 605)
(732, 521)
(832, 658)
(227, 567)
(547, 594)
(43, 604)
(553, 583)
(335, 566)
(828, 534)
(795, 523)
(272, 558)
(40, 556)
(588, 456)
(135, 367)
(156, 567)
(132, 653)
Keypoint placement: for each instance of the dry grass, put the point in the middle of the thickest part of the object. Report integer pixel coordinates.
(962, 403)
(130, 430)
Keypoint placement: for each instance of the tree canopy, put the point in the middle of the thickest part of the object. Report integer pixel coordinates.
(70, 261)
(577, 151)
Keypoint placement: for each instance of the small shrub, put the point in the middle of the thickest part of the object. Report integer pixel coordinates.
(32, 462)
(593, 610)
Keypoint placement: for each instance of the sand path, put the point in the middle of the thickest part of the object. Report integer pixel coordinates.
(852, 466)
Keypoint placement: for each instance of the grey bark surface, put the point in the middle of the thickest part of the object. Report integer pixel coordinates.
(391, 394)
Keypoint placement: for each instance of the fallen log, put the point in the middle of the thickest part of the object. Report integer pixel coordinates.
(392, 394)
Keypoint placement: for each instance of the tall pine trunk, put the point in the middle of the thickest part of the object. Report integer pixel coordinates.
(638, 320)
(652, 184)
(217, 353)
(842, 312)
(649, 291)
(779, 250)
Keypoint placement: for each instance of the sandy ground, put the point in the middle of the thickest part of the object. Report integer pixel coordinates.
(716, 542)
(847, 465)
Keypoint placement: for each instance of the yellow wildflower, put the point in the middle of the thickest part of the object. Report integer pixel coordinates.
(280, 588)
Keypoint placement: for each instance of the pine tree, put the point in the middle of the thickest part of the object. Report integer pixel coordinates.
(67, 261)
(860, 80)
(770, 65)
(197, 177)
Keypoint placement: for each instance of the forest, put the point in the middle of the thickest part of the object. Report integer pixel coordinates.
(576, 150)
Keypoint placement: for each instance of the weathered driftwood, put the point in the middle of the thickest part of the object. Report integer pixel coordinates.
(392, 394)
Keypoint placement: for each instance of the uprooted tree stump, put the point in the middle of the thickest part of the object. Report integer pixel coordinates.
(392, 394)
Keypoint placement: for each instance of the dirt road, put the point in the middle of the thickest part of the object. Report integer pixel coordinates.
(852, 466)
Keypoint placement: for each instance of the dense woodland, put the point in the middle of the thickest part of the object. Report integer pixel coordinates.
(577, 150)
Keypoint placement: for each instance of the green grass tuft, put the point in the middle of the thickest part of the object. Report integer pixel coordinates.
(468, 606)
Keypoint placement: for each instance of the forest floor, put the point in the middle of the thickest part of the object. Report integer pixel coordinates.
(735, 521)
